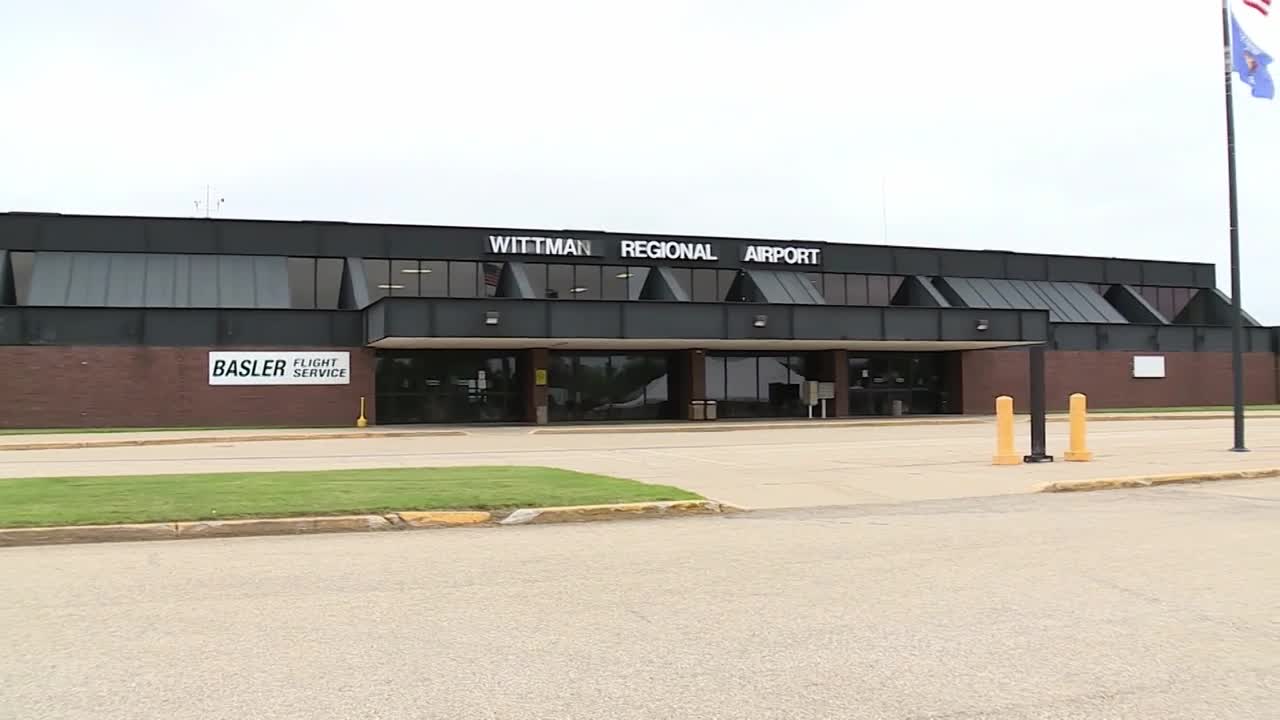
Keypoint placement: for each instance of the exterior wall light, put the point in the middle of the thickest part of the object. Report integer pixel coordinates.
(491, 318)
(983, 325)
(761, 321)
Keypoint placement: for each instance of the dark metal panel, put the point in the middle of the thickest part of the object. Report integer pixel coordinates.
(912, 324)
(182, 292)
(1076, 269)
(1060, 306)
(19, 232)
(1168, 273)
(914, 261)
(839, 323)
(375, 322)
(85, 234)
(411, 242)
(1175, 339)
(673, 320)
(346, 328)
(585, 319)
(1027, 267)
(235, 282)
(1075, 336)
(355, 284)
(204, 280)
(1123, 272)
(769, 288)
(1204, 276)
(1127, 337)
(126, 279)
(1089, 300)
(274, 327)
(87, 326)
(7, 294)
(409, 319)
(740, 322)
(971, 264)
(160, 281)
(963, 324)
(11, 332)
(180, 327)
(988, 294)
(364, 241)
(271, 282)
(1214, 339)
(248, 237)
(1133, 307)
(180, 236)
(466, 318)
(50, 279)
(867, 259)
(1026, 295)
(1034, 325)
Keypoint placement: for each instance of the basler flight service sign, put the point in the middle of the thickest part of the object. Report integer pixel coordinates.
(279, 368)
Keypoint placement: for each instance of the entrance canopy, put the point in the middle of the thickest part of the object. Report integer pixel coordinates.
(405, 323)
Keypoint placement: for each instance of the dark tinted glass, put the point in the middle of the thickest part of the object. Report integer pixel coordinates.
(586, 282)
(560, 282)
(857, 287)
(463, 279)
(490, 277)
(404, 278)
(833, 289)
(302, 282)
(447, 386)
(433, 278)
(22, 264)
(377, 273)
(684, 279)
(635, 283)
(895, 284)
(614, 282)
(704, 286)
(714, 369)
(537, 273)
(329, 282)
(724, 283)
(877, 290)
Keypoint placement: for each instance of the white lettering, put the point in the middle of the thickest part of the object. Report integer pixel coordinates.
(538, 245)
(784, 255)
(501, 244)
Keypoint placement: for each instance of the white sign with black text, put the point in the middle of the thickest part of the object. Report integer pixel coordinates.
(279, 368)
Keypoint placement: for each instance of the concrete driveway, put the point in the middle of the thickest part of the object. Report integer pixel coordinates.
(795, 466)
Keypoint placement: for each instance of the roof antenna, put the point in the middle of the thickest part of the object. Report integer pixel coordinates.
(209, 207)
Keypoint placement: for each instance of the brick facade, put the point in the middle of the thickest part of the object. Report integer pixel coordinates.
(104, 386)
(1191, 379)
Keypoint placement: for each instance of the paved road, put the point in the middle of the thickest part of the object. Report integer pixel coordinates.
(760, 468)
(1158, 603)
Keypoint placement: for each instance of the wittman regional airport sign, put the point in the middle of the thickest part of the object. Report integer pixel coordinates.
(279, 368)
(569, 247)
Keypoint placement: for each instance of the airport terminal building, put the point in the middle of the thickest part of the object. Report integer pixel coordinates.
(142, 321)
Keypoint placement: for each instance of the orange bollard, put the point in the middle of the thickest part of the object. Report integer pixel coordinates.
(1005, 454)
(1078, 452)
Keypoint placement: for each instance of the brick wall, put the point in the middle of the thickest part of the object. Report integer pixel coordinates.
(102, 386)
(1191, 379)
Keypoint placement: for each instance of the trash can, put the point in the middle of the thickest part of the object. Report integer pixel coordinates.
(711, 409)
(698, 410)
(897, 408)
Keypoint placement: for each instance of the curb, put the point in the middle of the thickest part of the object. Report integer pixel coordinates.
(736, 427)
(407, 520)
(1140, 481)
(144, 442)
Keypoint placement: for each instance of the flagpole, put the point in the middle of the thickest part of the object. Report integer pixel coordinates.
(1237, 329)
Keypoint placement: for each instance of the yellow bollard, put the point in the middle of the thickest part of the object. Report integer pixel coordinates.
(1078, 451)
(361, 421)
(1005, 454)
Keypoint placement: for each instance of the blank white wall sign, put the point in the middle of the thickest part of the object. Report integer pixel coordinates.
(1148, 366)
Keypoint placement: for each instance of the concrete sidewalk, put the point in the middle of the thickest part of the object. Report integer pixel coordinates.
(757, 468)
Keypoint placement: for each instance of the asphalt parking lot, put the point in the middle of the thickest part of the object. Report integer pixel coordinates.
(1153, 603)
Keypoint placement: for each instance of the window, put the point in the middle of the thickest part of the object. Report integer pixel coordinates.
(537, 274)
(433, 278)
(614, 283)
(724, 284)
(404, 278)
(491, 277)
(463, 279)
(22, 265)
(877, 290)
(704, 286)
(857, 285)
(329, 282)
(377, 272)
(684, 279)
(833, 289)
(635, 283)
(586, 282)
(447, 386)
(602, 387)
(560, 282)
(302, 282)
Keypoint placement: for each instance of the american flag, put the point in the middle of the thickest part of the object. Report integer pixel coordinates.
(492, 273)
(1262, 6)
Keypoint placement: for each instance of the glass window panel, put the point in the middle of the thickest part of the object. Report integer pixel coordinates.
(404, 278)
(714, 377)
(1151, 295)
(724, 283)
(833, 289)
(560, 387)
(490, 276)
(302, 282)
(586, 282)
(895, 283)
(377, 273)
(613, 283)
(591, 386)
(537, 273)
(1166, 302)
(433, 278)
(740, 378)
(463, 279)
(635, 283)
(736, 291)
(704, 286)
(857, 285)
(329, 282)
(1181, 298)
(559, 281)
(22, 264)
(684, 279)
(877, 290)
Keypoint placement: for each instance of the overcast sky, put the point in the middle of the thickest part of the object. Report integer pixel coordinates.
(1089, 127)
